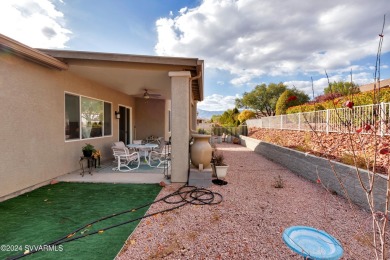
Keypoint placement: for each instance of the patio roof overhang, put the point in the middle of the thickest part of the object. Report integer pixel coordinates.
(131, 74)
(10, 45)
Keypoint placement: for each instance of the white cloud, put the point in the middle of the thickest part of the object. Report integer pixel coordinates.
(320, 84)
(274, 38)
(217, 102)
(36, 23)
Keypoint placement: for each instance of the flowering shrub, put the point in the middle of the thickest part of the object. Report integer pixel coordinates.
(96, 154)
(364, 98)
(308, 107)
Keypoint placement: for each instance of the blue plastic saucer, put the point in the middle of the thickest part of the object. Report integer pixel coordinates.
(312, 243)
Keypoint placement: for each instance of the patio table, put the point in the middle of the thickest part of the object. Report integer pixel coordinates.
(312, 243)
(143, 147)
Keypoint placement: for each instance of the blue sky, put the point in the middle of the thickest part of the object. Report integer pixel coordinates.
(243, 42)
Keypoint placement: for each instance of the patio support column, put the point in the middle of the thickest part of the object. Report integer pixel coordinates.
(180, 132)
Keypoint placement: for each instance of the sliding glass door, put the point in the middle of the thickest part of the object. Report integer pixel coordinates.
(125, 124)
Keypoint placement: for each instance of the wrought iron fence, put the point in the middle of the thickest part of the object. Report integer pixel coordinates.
(233, 131)
(340, 120)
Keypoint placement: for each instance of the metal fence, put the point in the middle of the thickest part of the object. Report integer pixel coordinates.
(233, 131)
(340, 120)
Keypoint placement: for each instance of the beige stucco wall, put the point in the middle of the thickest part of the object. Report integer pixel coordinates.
(149, 118)
(33, 147)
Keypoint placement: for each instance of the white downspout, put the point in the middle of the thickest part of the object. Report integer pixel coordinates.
(190, 101)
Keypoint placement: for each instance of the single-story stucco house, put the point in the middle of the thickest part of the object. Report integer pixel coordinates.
(45, 96)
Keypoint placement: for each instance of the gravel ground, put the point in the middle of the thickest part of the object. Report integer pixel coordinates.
(249, 222)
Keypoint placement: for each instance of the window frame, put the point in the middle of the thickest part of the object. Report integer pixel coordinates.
(80, 118)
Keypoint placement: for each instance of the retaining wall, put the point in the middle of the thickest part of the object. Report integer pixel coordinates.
(311, 167)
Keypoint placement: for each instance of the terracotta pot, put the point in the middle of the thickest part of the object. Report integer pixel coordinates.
(201, 150)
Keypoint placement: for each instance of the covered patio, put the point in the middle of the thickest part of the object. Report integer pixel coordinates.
(69, 98)
(164, 90)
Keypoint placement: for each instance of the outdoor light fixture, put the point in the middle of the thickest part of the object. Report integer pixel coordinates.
(117, 115)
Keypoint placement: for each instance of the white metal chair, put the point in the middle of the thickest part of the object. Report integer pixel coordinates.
(161, 157)
(125, 159)
(120, 145)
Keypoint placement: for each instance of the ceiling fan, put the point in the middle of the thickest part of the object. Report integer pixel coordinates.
(148, 95)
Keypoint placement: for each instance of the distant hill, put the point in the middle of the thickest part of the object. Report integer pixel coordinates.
(205, 114)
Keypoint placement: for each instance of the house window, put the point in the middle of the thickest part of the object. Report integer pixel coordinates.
(107, 118)
(91, 116)
(72, 117)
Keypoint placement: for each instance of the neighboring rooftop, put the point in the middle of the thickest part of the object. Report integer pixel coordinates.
(383, 84)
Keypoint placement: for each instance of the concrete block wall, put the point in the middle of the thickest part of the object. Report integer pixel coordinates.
(313, 167)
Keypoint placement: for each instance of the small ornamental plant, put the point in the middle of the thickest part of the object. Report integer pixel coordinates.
(88, 150)
(96, 154)
(219, 159)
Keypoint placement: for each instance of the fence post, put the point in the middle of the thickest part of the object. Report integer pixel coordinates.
(383, 119)
(281, 122)
(327, 121)
(299, 121)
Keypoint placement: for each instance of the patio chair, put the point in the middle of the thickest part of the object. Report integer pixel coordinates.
(160, 157)
(125, 159)
(120, 145)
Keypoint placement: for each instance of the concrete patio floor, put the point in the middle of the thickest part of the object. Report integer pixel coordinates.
(105, 174)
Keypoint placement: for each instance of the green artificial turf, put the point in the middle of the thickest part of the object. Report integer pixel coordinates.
(53, 211)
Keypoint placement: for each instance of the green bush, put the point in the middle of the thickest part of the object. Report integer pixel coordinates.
(308, 107)
(290, 98)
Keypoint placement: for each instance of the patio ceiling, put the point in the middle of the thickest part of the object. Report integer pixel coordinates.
(131, 74)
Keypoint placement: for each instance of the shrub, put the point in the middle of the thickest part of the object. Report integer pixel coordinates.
(219, 159)
(289, 98)
(308, 107)
(278, 182)
(364, 98)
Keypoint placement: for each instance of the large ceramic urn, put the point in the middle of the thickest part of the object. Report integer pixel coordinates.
(201, 150)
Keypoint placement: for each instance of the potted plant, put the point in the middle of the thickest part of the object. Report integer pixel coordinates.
(229, 138)
(97, 155)
(219, 138)
(219, 166)
(88, 149)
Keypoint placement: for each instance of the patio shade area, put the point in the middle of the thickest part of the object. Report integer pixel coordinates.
(53, 211)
